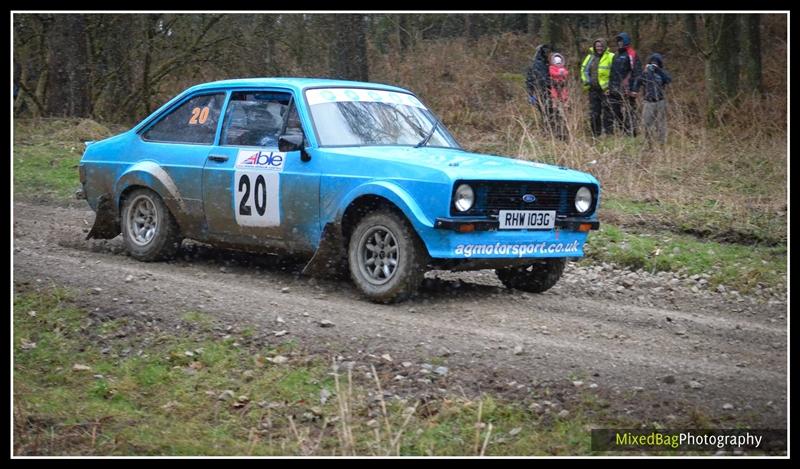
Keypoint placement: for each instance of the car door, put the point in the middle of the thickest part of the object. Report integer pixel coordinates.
(179, 142)
(252, 192)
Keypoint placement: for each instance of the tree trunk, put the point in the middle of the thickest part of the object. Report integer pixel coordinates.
(267, 24)
(398, 32)
(404, 31)
(20, 76)
(751, 48)
(690, 31)
(575, 32)
(118, 57)
(474, 26)
(149, 34)
(632, 25)
(722, 63)
(516, 23)
(349, 49)
(532, 25)
(298, 37)
(68, 87)
(551, 30)
(662, 20)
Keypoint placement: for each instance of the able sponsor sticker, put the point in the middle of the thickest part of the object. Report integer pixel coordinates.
(260, 159)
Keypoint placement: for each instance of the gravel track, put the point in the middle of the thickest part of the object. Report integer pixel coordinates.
(640, 338)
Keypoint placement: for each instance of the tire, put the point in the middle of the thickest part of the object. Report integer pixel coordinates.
(535, 278)
(143, 211)
(371, 244)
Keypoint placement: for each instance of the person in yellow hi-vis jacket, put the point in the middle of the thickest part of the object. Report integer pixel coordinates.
(595, 74)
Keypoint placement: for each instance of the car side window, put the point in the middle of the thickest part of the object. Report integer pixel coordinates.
(195, 121)
(257, 118)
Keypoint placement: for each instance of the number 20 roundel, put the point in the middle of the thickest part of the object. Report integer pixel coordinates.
(257, 187)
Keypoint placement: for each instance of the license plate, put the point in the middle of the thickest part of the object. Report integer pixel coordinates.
(527, 219)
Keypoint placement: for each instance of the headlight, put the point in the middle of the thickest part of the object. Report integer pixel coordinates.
(465, 197)
(583, 199)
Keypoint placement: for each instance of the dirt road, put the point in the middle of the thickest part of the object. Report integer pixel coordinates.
(646, 342)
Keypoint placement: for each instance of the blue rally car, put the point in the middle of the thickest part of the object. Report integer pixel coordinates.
(354, 176)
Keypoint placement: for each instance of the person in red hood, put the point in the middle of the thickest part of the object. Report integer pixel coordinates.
(559, 94)
(558, 78)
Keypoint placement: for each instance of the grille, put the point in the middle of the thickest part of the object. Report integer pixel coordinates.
(493, 196)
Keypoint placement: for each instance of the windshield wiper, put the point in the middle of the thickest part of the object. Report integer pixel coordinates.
(428, 137)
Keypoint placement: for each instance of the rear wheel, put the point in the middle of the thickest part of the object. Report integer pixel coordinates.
(148, 228)
(535, 278)
(386, 258)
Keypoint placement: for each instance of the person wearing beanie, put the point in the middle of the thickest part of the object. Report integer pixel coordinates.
(626, 70)
(654, 109)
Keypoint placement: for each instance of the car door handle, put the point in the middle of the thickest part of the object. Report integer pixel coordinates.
(218, 158)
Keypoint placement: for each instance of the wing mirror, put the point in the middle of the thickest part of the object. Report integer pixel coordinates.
(293, 142)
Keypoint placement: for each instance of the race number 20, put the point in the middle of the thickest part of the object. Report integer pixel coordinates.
(256, 202)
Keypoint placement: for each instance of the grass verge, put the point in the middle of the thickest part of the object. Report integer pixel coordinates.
(703, 220)
(46, 156)
(88, 384)
(735, 266)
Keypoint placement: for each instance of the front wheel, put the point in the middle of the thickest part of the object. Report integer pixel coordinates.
(535, 278)
(386, 258)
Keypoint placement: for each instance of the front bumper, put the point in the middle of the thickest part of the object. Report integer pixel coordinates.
(468, 224)
(492, 243)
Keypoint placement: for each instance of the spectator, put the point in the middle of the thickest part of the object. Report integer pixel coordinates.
(654, 111)
(538, 83)
(626, 71)
(559, 94)
(595, 72)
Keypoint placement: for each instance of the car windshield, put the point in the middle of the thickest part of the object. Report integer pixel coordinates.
(355, 116)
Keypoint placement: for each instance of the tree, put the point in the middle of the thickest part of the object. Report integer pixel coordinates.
(266, 28)
(515, 23)
(551, 30)
(111, 63)
(30, 64)
(405, 38)
(690, 31)
(722, 62)
(576, 24)
(751, 49)
(349, 48)
(474, 26)
(532, 24)
(662, 21)
(68, 73)
(632, 27)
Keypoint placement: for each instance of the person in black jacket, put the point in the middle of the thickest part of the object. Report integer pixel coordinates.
(626, 71)
(654, 111)
(538, 84)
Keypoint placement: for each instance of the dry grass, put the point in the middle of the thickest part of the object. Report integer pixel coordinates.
(736, 169)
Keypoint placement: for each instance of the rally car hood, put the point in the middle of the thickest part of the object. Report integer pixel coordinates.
(463, 165)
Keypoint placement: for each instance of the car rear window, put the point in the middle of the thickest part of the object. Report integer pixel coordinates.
(194, 121)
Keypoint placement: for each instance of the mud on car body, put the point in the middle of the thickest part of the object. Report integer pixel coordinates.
(357, 177)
